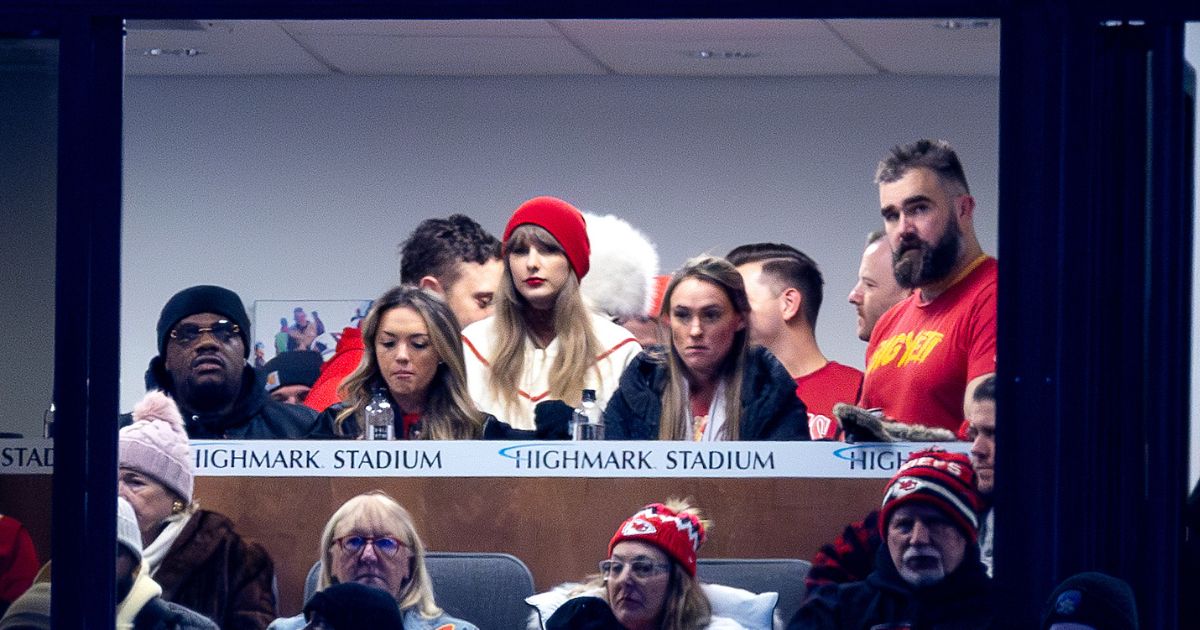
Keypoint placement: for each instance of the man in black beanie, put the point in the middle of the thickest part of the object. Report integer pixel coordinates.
(203, 344)
(290, 375)
(1091, 600)
(352, 606)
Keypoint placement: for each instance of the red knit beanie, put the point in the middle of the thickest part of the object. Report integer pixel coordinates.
(939, 479)
(563, 221)
(678, 535)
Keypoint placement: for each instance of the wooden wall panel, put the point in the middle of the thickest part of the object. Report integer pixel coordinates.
(559, 527)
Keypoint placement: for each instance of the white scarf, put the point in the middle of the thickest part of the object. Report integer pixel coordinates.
(144, 589)
(152, 555)
(716, 415)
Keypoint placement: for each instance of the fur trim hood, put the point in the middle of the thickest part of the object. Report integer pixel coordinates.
(624, 264)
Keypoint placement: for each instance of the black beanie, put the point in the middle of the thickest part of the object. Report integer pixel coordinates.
(350, 606)
(295, 367)
(204, 298)
(1095, 599)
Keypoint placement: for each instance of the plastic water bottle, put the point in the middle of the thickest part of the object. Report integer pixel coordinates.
(48, 422)
(380, 418)
(587, 421)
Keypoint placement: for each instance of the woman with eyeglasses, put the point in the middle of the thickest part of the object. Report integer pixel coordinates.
(708, 383)
(648, 581)
(371, 540)
(195, 555)
(543, 346)
(412, 363)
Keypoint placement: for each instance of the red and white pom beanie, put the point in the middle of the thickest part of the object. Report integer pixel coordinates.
(678, 535)
(156, 444)
(940, 479)
(563, 221)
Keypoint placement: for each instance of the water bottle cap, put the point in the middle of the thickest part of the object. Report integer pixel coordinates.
(589, 395)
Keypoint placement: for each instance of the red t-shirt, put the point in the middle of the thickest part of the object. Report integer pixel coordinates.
(821, 390)
(921, 357)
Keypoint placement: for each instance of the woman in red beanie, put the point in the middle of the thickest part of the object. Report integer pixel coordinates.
(543, 344)
(648, 581)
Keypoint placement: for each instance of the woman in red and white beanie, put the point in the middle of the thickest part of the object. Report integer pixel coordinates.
(648, 581)
(543, 343)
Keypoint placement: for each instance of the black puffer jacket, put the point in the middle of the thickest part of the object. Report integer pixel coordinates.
(770, 408)
(254, 416)
(962, 601)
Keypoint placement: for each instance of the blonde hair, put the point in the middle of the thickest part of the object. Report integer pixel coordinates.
(449, 412)
(381, 512)
(685, 606)
(578, 345)
(673, 423)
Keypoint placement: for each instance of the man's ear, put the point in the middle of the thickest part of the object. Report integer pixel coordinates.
(791, 301)
(431, 283)
(965, 207)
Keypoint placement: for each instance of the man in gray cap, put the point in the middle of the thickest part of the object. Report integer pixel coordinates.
(203, 344)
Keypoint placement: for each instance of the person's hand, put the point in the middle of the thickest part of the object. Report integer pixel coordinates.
(553, 420)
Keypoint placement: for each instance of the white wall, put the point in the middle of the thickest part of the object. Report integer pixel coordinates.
(301, 188)
(28, 176)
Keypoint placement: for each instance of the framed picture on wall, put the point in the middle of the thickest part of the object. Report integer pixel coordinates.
(316, 325)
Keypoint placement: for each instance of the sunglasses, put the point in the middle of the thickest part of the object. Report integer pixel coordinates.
(223, 330)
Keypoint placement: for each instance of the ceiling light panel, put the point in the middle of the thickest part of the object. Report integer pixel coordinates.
(423, 28)
(449, 56)
(716, 47)
(969, 47)
(243, 47)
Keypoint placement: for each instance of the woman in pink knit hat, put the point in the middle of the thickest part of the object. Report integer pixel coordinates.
(543, 344)
(195, 555)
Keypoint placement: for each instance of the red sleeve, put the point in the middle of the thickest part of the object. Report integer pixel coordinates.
(18, 559)
(849, 558)
(981, 335)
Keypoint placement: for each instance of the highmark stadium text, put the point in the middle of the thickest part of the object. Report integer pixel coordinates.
(314, 459)
(540, 457)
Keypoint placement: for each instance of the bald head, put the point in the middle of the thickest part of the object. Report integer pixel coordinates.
(876, 290)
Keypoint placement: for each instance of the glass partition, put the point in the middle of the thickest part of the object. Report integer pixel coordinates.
(28, 180)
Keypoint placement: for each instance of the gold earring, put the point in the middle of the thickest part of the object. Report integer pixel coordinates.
(176, 507)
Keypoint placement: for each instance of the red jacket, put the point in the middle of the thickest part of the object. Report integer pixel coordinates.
(345, 359)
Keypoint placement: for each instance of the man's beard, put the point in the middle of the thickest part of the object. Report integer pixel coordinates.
(210, 395)
(930, 571)
(917, 264)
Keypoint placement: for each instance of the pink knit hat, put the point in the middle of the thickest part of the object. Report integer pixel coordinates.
(157, 445)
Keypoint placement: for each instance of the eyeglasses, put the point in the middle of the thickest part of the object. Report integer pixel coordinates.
(384, 545)
(641, 569)
(223, 330)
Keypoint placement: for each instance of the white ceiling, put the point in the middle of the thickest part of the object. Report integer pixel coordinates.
(718, 48)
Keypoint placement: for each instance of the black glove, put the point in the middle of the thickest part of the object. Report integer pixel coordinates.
(583, 613)
(553, 420)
